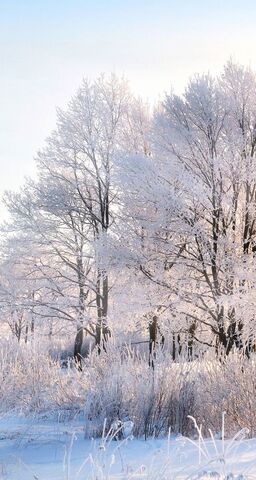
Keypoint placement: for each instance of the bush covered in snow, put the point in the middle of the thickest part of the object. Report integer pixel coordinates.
(32, 382)
(156, 400)
(123, 387)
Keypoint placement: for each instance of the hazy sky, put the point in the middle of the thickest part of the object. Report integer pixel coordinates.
(47, 46)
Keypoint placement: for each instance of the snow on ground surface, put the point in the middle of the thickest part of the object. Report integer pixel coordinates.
(44, 450)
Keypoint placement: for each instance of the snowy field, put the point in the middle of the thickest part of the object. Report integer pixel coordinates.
(43, 450)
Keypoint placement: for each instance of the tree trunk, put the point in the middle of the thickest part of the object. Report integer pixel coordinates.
(229, 337)
(176, 346)
(78, 347)
(102, 332)
(82, 297)
(152, 340)
(191, 333)
(26, 333)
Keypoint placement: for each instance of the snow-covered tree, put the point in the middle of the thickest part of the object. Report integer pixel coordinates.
(72, 205)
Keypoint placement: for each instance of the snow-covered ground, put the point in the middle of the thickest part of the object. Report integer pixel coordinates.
(44, 450)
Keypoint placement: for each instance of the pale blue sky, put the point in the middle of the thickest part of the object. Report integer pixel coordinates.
(46, 47)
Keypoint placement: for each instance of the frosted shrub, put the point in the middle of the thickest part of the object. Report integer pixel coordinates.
(121, 387)
(128, 389)
(31, 382)
(164, 400)
(228, 386)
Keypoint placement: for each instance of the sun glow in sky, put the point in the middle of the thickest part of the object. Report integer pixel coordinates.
(47, 46)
